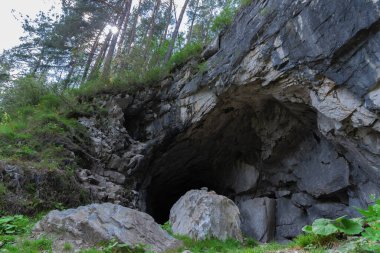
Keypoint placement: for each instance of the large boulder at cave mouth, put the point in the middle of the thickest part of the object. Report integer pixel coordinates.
(87, 226)
(200, 214)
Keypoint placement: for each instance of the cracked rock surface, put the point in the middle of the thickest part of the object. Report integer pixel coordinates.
(284, 122)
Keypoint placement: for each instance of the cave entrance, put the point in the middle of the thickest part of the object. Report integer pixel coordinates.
(224, 153)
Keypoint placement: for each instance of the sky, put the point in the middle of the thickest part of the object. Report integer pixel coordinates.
(10, 27)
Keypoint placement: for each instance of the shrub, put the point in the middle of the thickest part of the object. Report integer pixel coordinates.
(224, 19)
(179, 58)
(25, 92)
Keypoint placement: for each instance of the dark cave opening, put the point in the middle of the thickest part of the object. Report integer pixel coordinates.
(203, 156)
(226, 153)
(254, 152)
(162, 197)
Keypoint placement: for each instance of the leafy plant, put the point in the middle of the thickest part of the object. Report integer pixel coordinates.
(13, 225)
(372, 230)
(327, 227)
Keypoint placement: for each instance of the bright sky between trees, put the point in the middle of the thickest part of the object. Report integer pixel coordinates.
(10, 28)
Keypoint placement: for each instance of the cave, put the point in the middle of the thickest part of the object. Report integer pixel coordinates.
(202, 157)
(227, 152)
(256, 149)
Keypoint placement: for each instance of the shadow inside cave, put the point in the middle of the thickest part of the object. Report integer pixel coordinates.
(255, 153)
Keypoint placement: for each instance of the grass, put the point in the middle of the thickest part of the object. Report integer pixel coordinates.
(228, 246)
(312, 240)
(38, 134)
(29, 246)
(19, 242)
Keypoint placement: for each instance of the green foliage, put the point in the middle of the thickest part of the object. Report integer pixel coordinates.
(182, 56)
(36, 129)
(167, 227)
(227, 246)
(115, 247)
(14, 225)
(67, 246)
(312, 241)
(227, 15)
(28, 246)
(264, 11)
(372, 229)
(3, 189)
(139, 77)
(244, 3)
(202, 67)
(324, 231)
(27, 91)
(326, 227)
(224, 19)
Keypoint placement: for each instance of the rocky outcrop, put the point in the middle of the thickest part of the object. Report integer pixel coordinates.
(87, 226)
(28, 190)
(200, 215)
(284, 121)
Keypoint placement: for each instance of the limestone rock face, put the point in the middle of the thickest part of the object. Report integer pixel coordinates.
(286, 108)
(201, 214)
(258, 218)
(90, 225)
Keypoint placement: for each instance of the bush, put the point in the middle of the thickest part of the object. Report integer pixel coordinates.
(224, 19)
(27, 91)
(179, 58)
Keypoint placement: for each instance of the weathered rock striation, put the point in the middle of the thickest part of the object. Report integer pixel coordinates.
(285, 121)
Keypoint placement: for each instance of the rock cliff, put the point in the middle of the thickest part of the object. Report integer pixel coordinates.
(284, 121)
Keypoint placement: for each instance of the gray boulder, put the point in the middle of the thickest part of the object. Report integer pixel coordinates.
(201, 214)
(87, 226)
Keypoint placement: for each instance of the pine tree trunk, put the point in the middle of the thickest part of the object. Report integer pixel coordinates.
(152, 26)
(175, 33)
(108, 60)
(91, 55)
(132, 34)
(38, 64)
(168, 17)
(192, 22)
(100, 57)
(123, 33)
(69, 76)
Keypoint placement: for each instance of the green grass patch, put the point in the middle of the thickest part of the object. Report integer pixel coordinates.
(38, 134)
(28, 246)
